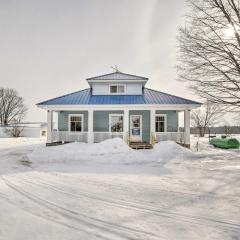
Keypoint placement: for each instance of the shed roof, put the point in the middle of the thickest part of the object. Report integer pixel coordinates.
(149, 96)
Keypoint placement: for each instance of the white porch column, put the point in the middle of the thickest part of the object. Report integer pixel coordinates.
(187, 126)
(90, 126)
(152, 125)
(126, 124)
(49, 125)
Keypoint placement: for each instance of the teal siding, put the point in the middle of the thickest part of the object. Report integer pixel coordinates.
(63, 119)
(101, 120)
(172, 119)
(145, 123)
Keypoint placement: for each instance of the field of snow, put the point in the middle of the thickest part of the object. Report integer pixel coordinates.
(109, 191)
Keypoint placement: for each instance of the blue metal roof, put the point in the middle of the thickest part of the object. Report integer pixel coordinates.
(84, 97)
(118, 76)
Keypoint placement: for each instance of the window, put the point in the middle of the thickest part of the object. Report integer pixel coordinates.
(121, 89)
(76, 123)
(136, 121)
(115, 123)
(160, 123)
(117, 89)
(113, 89)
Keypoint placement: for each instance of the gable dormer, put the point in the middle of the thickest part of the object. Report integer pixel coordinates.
(117, 83)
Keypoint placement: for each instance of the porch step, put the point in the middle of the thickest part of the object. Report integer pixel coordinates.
(140, 145)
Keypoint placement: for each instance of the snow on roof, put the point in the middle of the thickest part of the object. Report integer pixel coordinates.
(149, 96)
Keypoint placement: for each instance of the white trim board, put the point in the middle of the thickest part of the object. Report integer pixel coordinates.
(117, 80)
(121, 107)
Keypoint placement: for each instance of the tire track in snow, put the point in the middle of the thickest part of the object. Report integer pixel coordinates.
(98, 235)
(45, 217)
(8, 200)
(132, 183)
(118, 231)
(147, 209)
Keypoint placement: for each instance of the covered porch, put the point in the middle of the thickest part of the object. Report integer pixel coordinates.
(94, 125)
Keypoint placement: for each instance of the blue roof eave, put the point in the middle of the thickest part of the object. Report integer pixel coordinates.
(149, 97)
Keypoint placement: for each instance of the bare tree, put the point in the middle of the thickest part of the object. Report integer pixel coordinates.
(15, 129)
(209, 44)
(204, 117)
(227, 130)
(12, 107)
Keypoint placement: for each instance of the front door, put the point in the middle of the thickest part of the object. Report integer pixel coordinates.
(136, 128)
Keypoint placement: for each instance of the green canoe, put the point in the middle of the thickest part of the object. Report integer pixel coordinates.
(225, 143)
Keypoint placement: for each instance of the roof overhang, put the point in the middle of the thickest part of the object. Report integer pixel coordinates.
(179, 107)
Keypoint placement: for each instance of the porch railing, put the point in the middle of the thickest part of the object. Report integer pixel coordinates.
(66, 136)
(178, 137)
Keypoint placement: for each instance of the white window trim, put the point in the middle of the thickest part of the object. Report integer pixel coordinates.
(69, 122)
(110, 122)
(118, 84)
(165, 125)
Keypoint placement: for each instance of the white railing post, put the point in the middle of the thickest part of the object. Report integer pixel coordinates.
(187, 127)
(126, 124)
(90, 126)
(152, 125)
(49, 126)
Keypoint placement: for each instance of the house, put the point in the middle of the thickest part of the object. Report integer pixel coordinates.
(118, 105)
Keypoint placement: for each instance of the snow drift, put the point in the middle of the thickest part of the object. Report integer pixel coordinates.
(168, 150)
(112, 151)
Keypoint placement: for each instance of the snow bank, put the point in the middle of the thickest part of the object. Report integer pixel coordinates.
(115, 145)
(78, 151)
(112, 151)
(168, 150)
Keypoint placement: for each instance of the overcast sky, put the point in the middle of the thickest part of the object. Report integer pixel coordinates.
(48, 48)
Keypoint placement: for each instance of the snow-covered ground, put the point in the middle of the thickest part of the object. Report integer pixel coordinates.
(108, 191)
